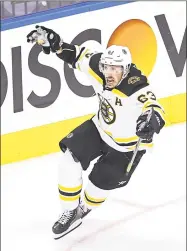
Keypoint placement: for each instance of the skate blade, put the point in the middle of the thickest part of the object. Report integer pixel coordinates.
(73, 227)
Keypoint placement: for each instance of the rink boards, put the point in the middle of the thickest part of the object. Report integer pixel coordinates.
(42, 99)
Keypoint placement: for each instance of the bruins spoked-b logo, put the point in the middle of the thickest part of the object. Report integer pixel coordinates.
(107, 111)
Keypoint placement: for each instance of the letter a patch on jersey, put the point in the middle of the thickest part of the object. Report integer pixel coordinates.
(118, 102)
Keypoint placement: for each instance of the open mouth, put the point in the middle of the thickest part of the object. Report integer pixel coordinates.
(109, 82)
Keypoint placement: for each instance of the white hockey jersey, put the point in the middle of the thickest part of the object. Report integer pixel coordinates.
(120, 107)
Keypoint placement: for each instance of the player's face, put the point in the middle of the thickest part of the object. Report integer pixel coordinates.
(113, 75)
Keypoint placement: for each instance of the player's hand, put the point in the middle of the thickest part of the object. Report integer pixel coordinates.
(47, 38)
(145, 129)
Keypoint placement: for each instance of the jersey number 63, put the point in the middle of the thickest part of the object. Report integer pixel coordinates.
(145, 97)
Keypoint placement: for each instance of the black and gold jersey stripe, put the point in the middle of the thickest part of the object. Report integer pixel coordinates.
(129, 142)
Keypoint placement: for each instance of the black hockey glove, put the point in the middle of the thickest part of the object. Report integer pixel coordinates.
(145, 129)
(47, 38)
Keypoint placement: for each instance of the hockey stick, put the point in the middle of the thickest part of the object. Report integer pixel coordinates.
(138, 144)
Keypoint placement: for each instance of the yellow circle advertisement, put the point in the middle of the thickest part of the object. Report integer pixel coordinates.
(139, 37)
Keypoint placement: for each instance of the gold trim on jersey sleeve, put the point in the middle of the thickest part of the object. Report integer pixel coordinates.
(157, 109)
(161, 113)
(147, 103)
(82, 55)
(94, 75)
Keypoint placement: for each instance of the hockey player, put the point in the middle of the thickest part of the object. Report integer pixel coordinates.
(125, 103)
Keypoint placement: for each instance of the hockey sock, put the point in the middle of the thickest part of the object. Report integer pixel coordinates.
(70, 181)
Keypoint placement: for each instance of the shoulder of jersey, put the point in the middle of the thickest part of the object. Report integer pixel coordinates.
(94, 64)
(133, 82)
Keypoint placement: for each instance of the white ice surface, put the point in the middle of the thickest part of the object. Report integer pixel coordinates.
(149, 214)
